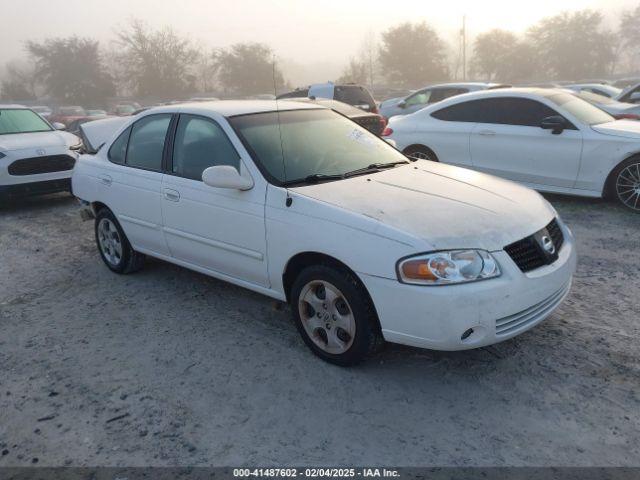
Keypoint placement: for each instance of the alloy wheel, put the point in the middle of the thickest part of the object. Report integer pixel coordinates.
(110, 241)
(327, 317)
(628, 186)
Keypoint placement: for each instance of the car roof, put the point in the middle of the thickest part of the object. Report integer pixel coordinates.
(466, 85)
(231, 108)
(11, 105)
(341, 107)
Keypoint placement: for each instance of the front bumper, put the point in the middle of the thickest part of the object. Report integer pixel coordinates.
(495, 309)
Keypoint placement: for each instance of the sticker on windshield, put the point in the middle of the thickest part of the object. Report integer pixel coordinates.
(362, 138)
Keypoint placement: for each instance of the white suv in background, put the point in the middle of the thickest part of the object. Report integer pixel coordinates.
(34, 157)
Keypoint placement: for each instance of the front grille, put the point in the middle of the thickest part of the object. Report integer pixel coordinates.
(528, 253)
(532, 315)
(556, 234)
(44, 164)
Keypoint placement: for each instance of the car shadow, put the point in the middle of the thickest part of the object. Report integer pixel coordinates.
(34, 203)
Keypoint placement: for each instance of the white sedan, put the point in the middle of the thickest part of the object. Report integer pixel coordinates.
(34, 157)
(301, 204)
(547, 139)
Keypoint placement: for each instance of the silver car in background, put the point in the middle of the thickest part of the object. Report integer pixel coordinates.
(431, 94)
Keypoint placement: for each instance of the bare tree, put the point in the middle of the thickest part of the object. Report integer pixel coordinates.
(156, 63)
(629, 36)
(574, 45)
(248, 69)
(413, 54)
(19, 82)
(71, 69)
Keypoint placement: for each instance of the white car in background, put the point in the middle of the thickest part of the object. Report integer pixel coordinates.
(432, 94)
(301, 204)
(547, 139)
(603, 89)
(618, 110)
(34, 157)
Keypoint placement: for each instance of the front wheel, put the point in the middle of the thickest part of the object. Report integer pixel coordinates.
(334, 315)
(625, 184)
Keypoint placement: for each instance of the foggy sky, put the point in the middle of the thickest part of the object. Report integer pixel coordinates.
(319, 35)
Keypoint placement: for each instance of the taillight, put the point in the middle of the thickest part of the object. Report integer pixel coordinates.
(627, 116)
(387, 131)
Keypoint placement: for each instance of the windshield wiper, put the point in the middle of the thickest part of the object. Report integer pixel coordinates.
(315, 178)
(374, 167)
(319, 177)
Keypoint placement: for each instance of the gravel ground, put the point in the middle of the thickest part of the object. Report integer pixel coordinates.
(169, 367)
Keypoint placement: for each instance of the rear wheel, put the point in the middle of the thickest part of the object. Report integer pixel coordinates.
(113, 245)
(334, 315)
(625, 184)
(420, 152)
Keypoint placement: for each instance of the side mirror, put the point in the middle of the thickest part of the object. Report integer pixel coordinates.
(226, 176)
(59, 126)
(402, 104)
(555, 123)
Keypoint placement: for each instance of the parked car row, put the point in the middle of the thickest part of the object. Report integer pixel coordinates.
(414, 240)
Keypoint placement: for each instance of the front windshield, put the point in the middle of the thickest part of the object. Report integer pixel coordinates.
(21, 121)
(314, 142)
(610, 89)
(581, 109)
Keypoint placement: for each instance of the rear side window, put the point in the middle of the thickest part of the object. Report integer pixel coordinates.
(146, 142)
(200, 143)
(439, 94)
(500, 111)
(295, 94)
(118, 150)
(353, 95)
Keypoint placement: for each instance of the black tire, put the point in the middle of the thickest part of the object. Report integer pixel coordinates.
(367, 339)
(129, 260)
(420, 152)
(624, 184)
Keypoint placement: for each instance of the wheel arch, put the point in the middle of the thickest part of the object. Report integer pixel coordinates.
(305, 259)
(421, 146)
(607, 190)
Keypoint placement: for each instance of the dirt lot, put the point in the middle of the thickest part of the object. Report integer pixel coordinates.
(169, 367)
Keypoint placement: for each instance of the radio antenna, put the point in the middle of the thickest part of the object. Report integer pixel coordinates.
(289, 200)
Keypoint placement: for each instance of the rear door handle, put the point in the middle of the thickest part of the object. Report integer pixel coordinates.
(487, 133)
(105, 179)
(171, 195)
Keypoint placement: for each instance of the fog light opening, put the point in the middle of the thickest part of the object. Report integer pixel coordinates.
(466, 334)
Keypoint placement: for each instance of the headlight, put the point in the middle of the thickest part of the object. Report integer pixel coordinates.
(448, 267)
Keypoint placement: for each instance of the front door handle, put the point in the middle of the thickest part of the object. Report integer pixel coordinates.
(171, 195)
(105, 179)
(487, 133)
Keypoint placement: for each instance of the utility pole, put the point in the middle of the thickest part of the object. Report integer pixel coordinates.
(464, 48)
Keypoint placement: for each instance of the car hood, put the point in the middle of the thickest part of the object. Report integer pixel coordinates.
(444, 206)
(620, 128)
(21, 141)
(98, 132)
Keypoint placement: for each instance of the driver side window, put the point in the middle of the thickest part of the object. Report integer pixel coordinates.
(200, 143)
